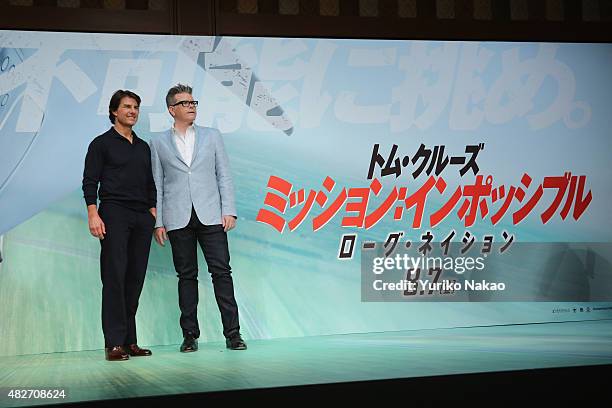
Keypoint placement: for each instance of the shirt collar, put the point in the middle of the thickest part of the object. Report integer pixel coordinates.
(189, 128)
(135, 138)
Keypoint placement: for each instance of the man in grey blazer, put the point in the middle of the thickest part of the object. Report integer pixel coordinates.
(195, 204)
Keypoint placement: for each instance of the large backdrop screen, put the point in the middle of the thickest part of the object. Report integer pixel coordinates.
(380, 185)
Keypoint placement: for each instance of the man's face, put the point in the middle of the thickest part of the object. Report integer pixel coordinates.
(127, 112)
(183, 113)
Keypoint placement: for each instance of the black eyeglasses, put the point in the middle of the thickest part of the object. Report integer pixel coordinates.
(186, 104)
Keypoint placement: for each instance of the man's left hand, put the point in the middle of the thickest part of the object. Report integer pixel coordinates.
(229, 222)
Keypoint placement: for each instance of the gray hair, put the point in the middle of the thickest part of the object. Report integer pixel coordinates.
(175, 90)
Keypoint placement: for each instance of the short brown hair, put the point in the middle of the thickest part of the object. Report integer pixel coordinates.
(113, 105)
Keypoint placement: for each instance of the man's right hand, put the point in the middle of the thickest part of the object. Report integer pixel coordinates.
(96, 225)
(160, 235)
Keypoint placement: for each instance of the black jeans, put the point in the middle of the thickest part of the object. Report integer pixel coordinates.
(123, 265)
(213, 242)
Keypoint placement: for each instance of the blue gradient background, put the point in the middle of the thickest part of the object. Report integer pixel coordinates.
(288, 284)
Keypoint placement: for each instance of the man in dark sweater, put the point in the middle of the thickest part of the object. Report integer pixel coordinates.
(120, 163)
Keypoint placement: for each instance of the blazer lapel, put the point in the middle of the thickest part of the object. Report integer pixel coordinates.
(172, 143)
(199, 135)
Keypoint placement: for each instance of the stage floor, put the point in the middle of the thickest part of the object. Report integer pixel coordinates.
(86, 376)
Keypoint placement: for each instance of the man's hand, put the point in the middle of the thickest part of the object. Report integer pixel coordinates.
(160, 235)
(96, 225)
(229, 222)
(153, 212)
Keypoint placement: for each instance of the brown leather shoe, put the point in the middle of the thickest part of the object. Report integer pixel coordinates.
(116, 353)
(135, 351)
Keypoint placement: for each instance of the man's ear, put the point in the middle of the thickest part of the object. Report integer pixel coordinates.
(171, 111)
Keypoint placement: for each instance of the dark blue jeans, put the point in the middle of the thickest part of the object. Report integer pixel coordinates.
(213, 242)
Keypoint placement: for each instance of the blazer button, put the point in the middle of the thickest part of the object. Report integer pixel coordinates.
(189, 173)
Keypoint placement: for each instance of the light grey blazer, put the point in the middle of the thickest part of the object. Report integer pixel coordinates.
(206, 184)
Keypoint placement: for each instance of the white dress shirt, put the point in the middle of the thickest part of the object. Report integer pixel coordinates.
(185, 143)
